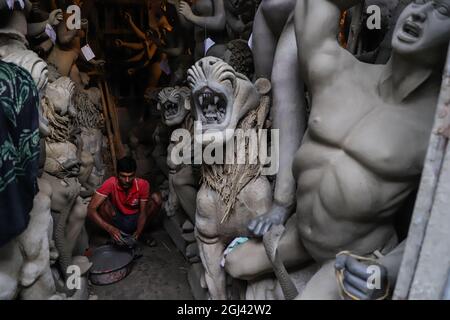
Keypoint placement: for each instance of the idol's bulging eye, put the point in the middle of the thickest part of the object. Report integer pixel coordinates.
(443, 9)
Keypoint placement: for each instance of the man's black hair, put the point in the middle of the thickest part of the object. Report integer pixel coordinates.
(126, 165)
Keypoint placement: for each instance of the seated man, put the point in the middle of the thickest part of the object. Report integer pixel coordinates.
(121, 205)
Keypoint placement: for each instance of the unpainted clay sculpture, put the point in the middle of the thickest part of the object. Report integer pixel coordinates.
(230, 194)
(208, 19)
(62, 167)
(13, 43)
(275, 56)
(361, 158)
(183, 184)
(67, 51)
(25, 269)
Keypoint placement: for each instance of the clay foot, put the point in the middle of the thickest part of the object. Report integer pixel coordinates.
(83, 263)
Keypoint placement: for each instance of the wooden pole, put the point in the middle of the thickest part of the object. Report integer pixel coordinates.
(108, 126)
(430, 206)
(115, 122)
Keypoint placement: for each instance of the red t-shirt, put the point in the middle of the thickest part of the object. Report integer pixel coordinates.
(127, 203)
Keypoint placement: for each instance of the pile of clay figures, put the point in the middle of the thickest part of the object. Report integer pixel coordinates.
(52, 247)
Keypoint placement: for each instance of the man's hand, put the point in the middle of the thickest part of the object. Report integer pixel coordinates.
(364, 281)
(55, 17)
(185, 10)
(260, 225)
(114, 233)
(136, 235)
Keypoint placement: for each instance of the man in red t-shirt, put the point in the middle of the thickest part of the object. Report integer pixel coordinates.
(122, 205)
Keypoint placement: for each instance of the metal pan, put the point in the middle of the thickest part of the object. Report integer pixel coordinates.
(110, 264)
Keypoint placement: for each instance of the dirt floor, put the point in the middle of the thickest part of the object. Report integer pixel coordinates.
(160, 274)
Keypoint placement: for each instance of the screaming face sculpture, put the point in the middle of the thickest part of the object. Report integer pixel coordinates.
(174, 105)
(420, 29)
(221, 97)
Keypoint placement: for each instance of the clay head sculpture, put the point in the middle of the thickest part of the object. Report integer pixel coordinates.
(221, 97)
(423, 30)
(174, 104)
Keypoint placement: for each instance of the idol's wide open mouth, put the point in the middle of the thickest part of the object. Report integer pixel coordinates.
(410, 32)
(211, 106)
(170, 110)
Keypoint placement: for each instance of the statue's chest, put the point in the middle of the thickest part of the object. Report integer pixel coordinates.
(203, 8)
(391, 139)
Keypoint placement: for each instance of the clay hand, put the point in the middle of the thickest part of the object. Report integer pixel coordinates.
(364, 281)
(260, 225)
(127, 17)
(118, 43)
(185, 10)
(99, 63)
(55, 17)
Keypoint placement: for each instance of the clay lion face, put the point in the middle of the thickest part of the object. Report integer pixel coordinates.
(173, 104)
(423, 28)
(221, 97)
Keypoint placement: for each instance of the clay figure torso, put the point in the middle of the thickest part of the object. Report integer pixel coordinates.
(351, 176)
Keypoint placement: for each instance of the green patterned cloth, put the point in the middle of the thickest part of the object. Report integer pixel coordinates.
(19, 149)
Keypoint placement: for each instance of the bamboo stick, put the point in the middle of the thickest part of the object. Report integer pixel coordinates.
(108, 126)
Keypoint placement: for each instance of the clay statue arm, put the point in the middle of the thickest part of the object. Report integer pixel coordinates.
(96, 201)
(151, 50)
(235, 23)
(136, 30)
(215, 22)
(129, 45)
(137, 57)
(289, 117)
(183, 22)
(316, 28)
(35, 29)
(358, 277)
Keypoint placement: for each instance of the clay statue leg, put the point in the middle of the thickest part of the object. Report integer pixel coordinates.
(11, 260)
(249, 260)
(323, 285)
(186, 190)
(160, 157)
(87, 165)
(210, 246)
(288, 109)
(214, 274)
(36, 279)
(76, 222)
(264, 45)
